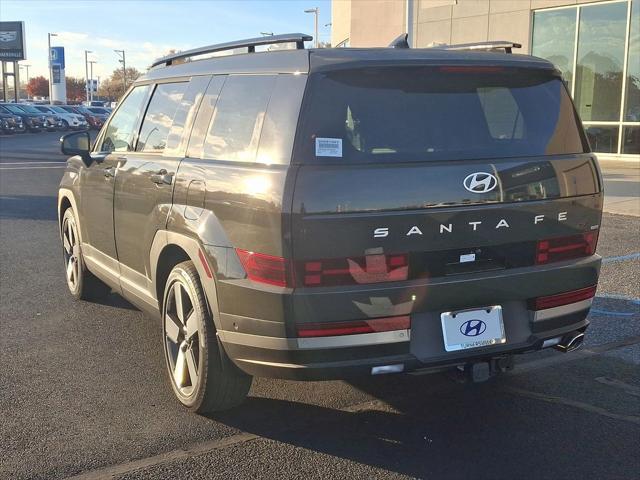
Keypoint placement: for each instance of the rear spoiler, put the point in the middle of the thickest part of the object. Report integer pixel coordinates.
(402, 41)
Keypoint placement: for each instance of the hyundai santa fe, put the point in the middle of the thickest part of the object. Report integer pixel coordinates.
(325, 213)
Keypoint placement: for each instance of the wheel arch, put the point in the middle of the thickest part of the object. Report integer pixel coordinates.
(171, 248)
(67, 200)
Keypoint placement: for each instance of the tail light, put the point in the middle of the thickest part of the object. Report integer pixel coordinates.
(373, 325)
(566, 248)
(354, 271)
(265, 268)
(560, 299)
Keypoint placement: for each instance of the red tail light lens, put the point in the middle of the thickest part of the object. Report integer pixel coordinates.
(264, 268)
(560, 299)
(354, 271)
(373, 325)
(566, 248)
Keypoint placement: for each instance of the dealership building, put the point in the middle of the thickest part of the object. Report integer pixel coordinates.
(596, 45)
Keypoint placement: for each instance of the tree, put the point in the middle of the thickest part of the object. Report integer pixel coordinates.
(76, 89)
(113, 87)
(38, 87)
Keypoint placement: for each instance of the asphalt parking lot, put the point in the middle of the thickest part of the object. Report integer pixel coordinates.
(83, 389)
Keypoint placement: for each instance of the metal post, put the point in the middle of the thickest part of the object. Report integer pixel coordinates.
(124, 69)
(91, 62)
(16, 81)
(315, 11)
(50, 69)
(86, 74)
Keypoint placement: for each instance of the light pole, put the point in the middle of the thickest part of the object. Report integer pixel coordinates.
(315, 11)
(26, 67)
(124, 70)
(49, 35)
(91, 62)
(86, 74)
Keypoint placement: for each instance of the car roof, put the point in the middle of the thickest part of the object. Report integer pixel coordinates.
(322, 59)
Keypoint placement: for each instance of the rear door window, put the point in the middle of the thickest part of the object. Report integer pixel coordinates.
(437, 113)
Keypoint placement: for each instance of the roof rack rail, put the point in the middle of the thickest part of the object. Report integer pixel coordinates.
(492, 45)
(249, 43)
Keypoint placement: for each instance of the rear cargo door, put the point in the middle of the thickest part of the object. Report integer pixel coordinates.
(435, 170)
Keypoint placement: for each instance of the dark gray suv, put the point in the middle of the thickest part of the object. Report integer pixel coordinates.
(316, 214)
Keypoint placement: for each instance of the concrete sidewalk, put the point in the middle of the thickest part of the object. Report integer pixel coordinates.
(621, 187)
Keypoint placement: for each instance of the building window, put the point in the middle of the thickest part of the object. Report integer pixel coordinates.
(597, 49)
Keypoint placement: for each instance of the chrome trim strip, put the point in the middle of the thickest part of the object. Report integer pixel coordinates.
(562, 310)
(277, 343)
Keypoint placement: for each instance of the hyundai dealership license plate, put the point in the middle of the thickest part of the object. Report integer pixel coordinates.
(472, 328)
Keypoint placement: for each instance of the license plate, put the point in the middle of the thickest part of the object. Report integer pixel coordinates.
(472, 328)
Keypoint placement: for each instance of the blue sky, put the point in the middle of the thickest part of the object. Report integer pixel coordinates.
(147, 29)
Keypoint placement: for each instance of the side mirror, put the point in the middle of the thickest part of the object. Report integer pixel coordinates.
(76, 143)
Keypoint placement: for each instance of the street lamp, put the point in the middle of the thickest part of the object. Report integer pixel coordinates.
(124, 70)
(91, 62)
(315, 11)
(86, 74)
(49, 35)
(26, 67)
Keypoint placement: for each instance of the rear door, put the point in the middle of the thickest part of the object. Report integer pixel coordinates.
(421, 172)
(145, 179)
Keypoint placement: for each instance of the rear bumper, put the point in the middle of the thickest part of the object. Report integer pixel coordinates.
(422, 346)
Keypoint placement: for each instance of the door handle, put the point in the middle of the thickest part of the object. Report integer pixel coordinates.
(162, 177)
(110, 172)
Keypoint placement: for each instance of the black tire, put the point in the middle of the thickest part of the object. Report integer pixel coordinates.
(82, 284)
(65, 125)
(219, 384)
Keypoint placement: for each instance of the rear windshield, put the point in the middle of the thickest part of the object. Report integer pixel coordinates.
(436, 113)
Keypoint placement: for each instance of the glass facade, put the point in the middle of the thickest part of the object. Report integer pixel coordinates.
(597, 49)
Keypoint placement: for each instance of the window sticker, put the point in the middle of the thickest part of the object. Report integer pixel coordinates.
(328, 147)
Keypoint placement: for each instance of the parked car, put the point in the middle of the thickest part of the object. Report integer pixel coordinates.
(10, 123)
(330, 213)
(34, 122)
(100, 111)
(94, 121)
(52, 121)
(69, 120)
(93, 103)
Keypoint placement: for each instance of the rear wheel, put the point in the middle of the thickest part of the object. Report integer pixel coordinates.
(203, 378)
(82, 284)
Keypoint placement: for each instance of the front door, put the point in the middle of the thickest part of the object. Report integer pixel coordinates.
(97, 183)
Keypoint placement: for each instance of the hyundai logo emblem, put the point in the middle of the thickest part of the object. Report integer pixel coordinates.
(473, 328)
(480, 182)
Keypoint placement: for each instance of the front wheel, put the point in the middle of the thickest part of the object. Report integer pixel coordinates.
(65, 125)
(203, 378)
(83, 285)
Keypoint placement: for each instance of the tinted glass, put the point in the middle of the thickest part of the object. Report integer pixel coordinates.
(237, 122)
(29, 109)
(14, 109)
(203, 118)
(598, 87)
(185, 115)
(121, 132)
(632, 110)
(437, 113)
(603, 138)
(553, 39)
(159, 117)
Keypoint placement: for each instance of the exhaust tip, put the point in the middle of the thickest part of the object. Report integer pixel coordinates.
(570, 342)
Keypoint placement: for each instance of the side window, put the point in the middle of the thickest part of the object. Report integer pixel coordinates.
(159, 117)
(235, 130)
(120, 133)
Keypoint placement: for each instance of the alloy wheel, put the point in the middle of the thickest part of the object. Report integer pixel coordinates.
(181, 337)
(71, 250)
